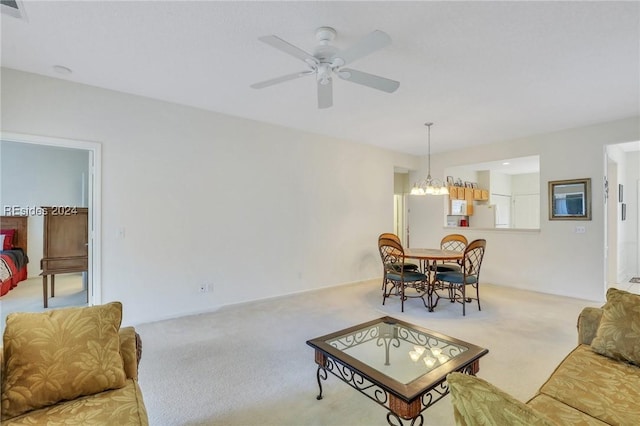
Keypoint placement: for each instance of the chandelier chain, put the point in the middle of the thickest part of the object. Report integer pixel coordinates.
(429, 185)
(428, 149)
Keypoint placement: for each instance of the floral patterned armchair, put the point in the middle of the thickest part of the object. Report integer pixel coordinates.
(71, 366)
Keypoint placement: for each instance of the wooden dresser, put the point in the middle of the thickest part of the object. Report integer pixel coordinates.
(66, 232)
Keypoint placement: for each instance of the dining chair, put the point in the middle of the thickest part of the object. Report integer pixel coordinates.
(398, 276)
(455, 282)
(456, 242)
(394, 237)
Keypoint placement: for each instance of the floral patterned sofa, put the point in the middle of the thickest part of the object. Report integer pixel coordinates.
(598, 383)
(71, 366)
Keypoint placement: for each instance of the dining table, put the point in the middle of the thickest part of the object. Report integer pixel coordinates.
(429, 259)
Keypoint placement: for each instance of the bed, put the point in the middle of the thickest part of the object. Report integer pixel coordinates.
(14, 260)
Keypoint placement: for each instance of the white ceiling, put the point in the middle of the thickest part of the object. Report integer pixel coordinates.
(481, 71)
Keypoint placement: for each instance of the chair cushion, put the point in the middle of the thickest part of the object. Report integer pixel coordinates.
(123, 406)
(60, 355)
(560, 413)
(408, 276)
(618, 334)
(597, 385)
(477, 402)
(406, 266)
(456, 277)
(447, 267)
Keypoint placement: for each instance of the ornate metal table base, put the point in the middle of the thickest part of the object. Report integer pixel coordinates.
(398, 365)
(399, 409)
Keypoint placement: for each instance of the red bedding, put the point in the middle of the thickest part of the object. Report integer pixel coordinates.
(10, 273)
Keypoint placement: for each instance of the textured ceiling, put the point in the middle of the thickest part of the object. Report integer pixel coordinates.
(481, 71)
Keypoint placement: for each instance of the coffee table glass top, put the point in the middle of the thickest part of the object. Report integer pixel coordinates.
(397, 351)
(397, 355)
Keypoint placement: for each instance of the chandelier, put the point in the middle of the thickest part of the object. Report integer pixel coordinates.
(429, 186)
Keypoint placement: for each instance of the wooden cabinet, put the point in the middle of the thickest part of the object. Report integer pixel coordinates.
(460, 201)
(469, 195)
(66, 232)
(480, 194)
(457, 193)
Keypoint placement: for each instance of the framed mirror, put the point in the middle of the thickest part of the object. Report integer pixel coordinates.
(570, 199)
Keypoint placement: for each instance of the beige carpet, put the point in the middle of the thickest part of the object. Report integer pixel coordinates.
(249, 364)
(27, 296)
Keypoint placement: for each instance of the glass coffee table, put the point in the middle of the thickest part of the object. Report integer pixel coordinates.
(399, 365)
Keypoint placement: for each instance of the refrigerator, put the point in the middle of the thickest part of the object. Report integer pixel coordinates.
(484, 216)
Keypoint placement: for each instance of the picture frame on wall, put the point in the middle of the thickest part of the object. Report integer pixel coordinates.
(570, 199)
(450, 181)
(624, 211)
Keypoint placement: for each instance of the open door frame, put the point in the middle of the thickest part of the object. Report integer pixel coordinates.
(93, 202)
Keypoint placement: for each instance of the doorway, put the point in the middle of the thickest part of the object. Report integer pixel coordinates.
(399, 217)
(400, 213)
(622, 216)
(611, 247)
(90, 197)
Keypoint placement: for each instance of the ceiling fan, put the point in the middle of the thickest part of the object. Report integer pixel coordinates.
(328, 61)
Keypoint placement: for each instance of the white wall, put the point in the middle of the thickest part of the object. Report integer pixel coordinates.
(525, 184)
(554, 259)
(35, 175)
(500, 184)
(254, 209)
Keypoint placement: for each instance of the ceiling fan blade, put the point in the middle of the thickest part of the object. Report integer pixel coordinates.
(370, 80)
(289, 48)
(368, 44)
(325, 93)
(277, 80)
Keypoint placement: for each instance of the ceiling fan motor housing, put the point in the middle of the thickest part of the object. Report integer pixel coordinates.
(323, 52)
(325, 34)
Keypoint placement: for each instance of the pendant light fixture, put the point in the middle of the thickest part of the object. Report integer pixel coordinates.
(429, 186)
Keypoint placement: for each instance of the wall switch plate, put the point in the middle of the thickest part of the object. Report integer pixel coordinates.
(581, 230)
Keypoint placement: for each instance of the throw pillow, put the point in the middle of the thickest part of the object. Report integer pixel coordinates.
(7, 243)
(477, 402)
(618, 334)
(60, 355)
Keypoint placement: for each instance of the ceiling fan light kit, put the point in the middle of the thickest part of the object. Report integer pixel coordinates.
(327, 61)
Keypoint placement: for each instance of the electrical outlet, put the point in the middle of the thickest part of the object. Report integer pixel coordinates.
(205, 288)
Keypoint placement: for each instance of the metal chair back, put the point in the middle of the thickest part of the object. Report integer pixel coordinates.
(457, 242)
(472, 260)
(391, 251)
